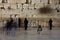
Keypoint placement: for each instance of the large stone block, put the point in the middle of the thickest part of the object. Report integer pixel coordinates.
(16, 1)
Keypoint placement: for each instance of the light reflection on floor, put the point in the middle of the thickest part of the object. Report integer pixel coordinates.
(31, 34)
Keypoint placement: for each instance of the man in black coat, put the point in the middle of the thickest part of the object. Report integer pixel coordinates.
(19, 22)
(10, 23)
(26, 23)
(50, 24)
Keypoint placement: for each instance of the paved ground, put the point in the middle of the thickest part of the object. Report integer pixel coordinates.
(31, 34)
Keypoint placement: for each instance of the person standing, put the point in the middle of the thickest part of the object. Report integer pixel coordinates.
(50, 24)
(7, 25)
(10, 23)
(19, 22)
(26, 23)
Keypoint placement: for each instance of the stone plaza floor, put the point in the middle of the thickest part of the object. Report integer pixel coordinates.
(31, 34)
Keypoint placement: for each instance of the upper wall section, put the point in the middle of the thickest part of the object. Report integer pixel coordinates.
(28, 10)
(31, 1)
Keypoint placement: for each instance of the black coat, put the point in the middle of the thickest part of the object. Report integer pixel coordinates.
(50, 22)
(25, 22)
(19, 21)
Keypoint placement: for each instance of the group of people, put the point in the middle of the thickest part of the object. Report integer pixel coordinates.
(10, 24)
(25, 23)
(13, 24)
(40, 28)
(50, 26)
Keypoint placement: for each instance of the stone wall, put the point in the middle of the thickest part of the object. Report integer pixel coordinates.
(30, 11)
